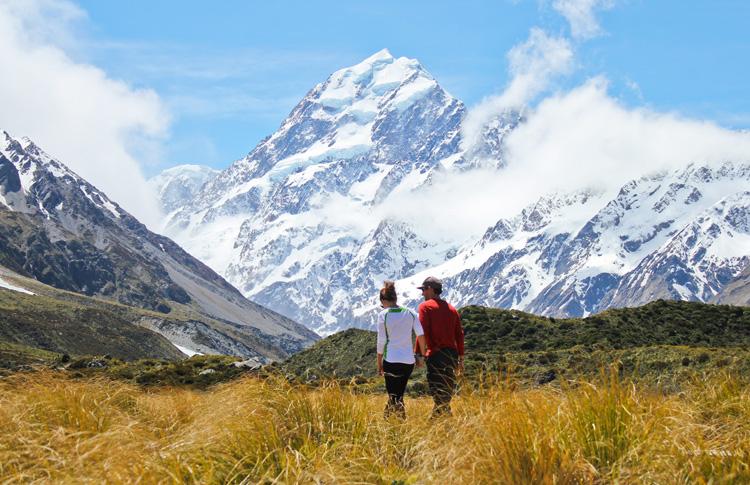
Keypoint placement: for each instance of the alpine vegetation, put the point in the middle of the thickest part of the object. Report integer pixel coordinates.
(61, 430)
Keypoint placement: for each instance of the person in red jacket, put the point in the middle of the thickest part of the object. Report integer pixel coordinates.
(444, 337)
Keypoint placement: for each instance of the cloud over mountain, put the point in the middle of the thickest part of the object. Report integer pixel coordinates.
(88, 119)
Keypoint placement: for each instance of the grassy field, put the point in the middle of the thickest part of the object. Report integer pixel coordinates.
(253, 430)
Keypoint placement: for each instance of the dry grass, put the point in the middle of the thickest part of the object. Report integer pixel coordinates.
(266, 431)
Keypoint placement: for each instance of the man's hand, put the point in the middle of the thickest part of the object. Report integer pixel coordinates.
(460, 368)
(419, 360)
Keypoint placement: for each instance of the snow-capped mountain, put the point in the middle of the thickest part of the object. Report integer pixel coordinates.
(269, 222)
(278, 223)
(177, 186)
(61, 230)
(679, 235)
(362, 130)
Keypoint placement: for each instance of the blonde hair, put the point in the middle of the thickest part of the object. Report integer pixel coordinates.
(388, 291)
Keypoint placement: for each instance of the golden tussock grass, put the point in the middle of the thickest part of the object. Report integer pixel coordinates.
(60, 430)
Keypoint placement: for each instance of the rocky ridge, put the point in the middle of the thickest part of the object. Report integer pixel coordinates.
(62, 231)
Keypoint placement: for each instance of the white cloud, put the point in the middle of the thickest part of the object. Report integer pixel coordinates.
(534, 64)
(585, 138)
(42, 22)
(74, 111)
(581, 139)
(580, 15)
(635, 88)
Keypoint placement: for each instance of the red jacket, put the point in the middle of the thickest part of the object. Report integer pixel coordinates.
(442, 326)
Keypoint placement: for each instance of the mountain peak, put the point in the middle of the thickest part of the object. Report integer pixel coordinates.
(24, 143)
(188, 169)
(380, 61)
(381, 55)
(375, 79)
(8, 143)
(6, 138)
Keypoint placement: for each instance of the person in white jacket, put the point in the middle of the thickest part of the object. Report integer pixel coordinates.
(396, 357)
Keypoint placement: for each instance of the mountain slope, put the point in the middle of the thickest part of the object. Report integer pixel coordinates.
(737, 291)
(62, 231)
(38, 316)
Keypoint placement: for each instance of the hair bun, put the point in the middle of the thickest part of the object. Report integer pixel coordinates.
(388, 292)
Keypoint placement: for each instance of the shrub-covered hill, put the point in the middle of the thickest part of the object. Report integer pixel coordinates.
(344, 354)
(658, 339)
(657, 323)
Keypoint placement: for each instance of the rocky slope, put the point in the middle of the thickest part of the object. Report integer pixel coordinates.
(62, 231)
(737, 291)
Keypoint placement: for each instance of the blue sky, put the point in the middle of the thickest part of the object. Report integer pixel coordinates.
(230, 73)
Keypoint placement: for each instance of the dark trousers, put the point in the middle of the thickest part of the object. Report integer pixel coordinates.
(441, 377)
(396, 377)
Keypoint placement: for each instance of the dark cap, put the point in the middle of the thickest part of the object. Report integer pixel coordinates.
(432, 282)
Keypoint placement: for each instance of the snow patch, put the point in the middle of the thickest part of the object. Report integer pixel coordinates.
(364, 110)
(111, 207)
(104, 202)
(28, 177)
(684, 292)
(339, 92)
(392, 75)
(187, 351)
(9, 286)
(301, 178)
(241, 189)
(366, 189)
(410, 93)
(351, 140)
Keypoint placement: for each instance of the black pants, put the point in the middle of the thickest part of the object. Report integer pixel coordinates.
(396, 377)
(441, 377)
